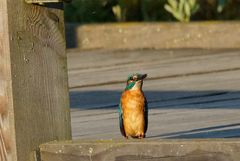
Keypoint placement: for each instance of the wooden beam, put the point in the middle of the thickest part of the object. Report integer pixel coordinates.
(162, 150)
(43, 1)
(122, 36)
(46, 1)
(34, 106)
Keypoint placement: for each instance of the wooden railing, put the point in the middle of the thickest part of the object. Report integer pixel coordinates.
(161, 150)
(33, 79)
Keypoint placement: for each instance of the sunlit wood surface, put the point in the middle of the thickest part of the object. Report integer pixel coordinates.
(192, 93)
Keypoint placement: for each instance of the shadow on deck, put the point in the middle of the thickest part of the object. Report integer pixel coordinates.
(159, 99)
(173, 114)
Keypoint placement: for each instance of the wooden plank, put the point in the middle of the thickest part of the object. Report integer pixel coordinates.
(163, 150)
(43, 1)
(33, 79)
(161, 123)
(157, 63)
(155, 35)
(159, 89)
(7, 132)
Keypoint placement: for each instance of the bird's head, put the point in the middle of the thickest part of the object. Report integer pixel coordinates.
(135, 81)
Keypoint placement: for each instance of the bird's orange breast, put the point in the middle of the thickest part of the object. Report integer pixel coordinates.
(133, 112)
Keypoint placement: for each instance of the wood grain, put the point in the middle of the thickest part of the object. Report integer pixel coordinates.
(7, 132)
(159, 63)
(3, 147)
(144, 35)
(43, 1)
(162, 150)
(34, 80)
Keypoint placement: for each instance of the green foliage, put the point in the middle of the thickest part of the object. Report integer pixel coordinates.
(128, 10)
(141, 10)
(218, 10)
(90, 11)
(117, 11)
(93, 11)
(153, 10)
(182, 9)
(221, 5)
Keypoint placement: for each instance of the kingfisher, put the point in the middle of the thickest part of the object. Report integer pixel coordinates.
(133, 108)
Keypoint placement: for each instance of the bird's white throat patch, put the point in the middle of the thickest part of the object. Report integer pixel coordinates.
(138, 85)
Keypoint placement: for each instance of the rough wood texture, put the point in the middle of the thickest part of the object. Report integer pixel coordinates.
(33, 78)
(168, 150)
(192, 93)
(154, 35)
(7, 132)
(4, 131)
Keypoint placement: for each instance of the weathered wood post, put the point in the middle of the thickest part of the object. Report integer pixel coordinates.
(34, 106)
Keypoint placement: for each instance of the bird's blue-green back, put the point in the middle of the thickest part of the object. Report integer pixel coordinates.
(121, 119)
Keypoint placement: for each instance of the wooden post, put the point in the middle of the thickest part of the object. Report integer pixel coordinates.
(34, 104)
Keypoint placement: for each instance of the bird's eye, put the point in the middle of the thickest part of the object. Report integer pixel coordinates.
(134, 77)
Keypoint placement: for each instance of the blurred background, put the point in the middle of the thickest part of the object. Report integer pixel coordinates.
(94, 11)
(193, 68)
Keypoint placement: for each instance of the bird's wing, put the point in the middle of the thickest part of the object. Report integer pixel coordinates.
(121, 120)
(145, 115)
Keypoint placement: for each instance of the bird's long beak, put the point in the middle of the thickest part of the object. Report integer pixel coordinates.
(143, 76)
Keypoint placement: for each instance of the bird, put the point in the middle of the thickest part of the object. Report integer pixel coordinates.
(133, 108)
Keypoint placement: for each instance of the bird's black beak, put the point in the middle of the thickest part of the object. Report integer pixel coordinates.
(143, 76)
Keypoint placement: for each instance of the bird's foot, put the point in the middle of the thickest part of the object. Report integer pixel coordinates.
(141, 136)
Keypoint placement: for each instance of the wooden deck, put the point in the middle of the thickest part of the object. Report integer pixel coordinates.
(192, 93)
